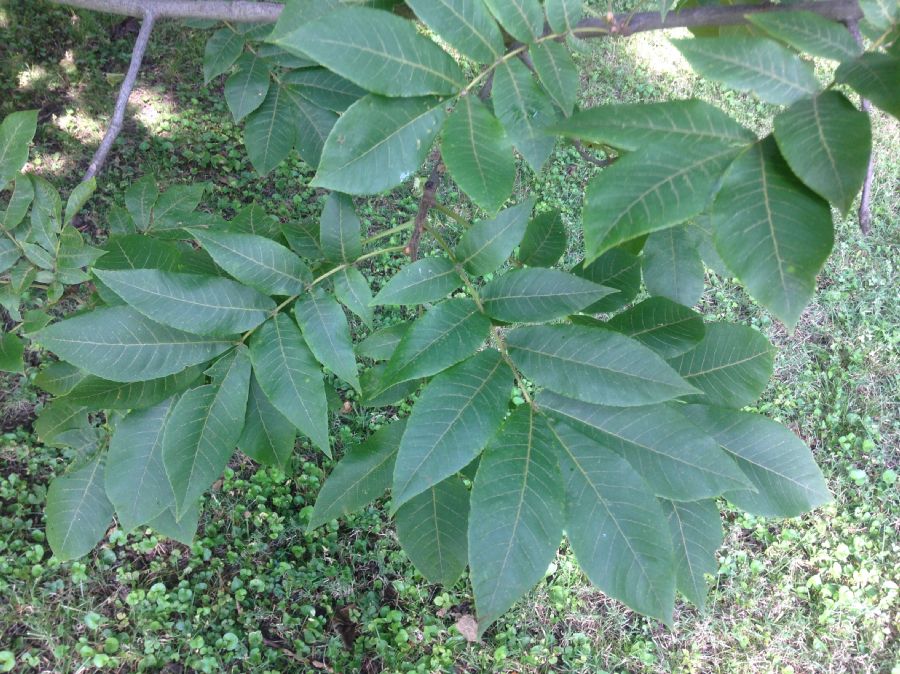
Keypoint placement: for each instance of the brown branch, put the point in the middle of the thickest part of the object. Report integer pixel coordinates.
(241, 11)
(865, 199)
(587, 156)
(426, 203)
(118, 118)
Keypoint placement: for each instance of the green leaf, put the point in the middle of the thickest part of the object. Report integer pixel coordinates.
(731, 365)
(488, 243)
(299, 12)
(256, 261)
(78, 198)
(120, 344)
(882, 14)
(201, 305)
(826, 142)
(378, 51)
(136, 481)
(544, 241)
(452, 421)
(536, 295)
(136, 251)
(478, 154)
(675, 458)
(290, 377)
(672, 266)
(376, 394)
(12, 352)
(16, 132)
(59, 378)
(616, 269)
(778, 464)
(466, 25)
(246, 88)
(556, 70)
(120, 222)
(634, 126)
(616, 526)
(762, 208)
(874, 76)
(525, 110)
(516, 516)
(563, 15)
(267, 437)
(668, 328)
(361, 476)
(809, 32)
(327, 334)
(324, 89)
(100, 394)
(222, 49)
(314, 124)
(432, 531)
(771, 71)
(523, 19)
(174, 209)
(202, 431)
(9, 254)
(352, 290)
(378, 143)
(16, 208)
(425, 280)
(58, 417)
(77, 512)
(696, 529)
(271, 129)
(446, 334)
(651, 189)
(182, 530)
(594, 365)
(381, 344)
(140, 198)
(253, 219)
(303, 237)
(340, 231)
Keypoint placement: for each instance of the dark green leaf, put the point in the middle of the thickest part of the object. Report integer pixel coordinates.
(299, 12)
(563, 15)
(874, 76)
(78, 198)
(675, 458)
(12, 351)
(672, 266)
(478, 153)
(256, 260)
(314, 124)
(120, 344)
(323, 88)
(16, 132)
(762, 208)
(246, 88)
(352, 290)
(488, 243)
(668, 328)
(182, 530)
(290, 377)
(616, 269)
(544, 241)
(516, 517)
(449, 332)
(202, 431)
(97, 393)
(303, 237)
(78, 512)
(378, 143)
(378, 51)
(466, 25)
(267, 437)
(361, 476)
(327, 334)
(616, 526)
(140, 198)
(340, 231)
(202, 305)
(532, 295)
(253, 219)
(432, 531)
(731, 365)
(696, 530)
(136, 481)
(809, 32)
(376, 394)
(779, 465)
(271, 129)
(523, 19)
(381, 344)
(222, 49)
(557, 72)
(452, 421)
(425, 280)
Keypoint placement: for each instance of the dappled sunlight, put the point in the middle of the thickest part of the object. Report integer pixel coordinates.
(151, 108)
(30, 76)
(657, 53)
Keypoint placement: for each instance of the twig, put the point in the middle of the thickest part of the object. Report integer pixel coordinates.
(426, 203)
(115, 125)
(865, 199)
(587, 156)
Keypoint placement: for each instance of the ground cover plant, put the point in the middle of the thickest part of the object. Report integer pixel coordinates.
(451, 229)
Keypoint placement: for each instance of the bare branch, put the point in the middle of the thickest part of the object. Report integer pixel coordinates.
(426, 203)
(865, 199)
(115, 125)
(587, 156)
(237, 11)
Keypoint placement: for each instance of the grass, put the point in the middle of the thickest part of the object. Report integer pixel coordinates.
(257, 593)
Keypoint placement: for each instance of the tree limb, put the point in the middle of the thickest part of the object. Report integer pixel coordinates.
(118, 118)
(865, 199)
(426, 203)
(241, 11)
